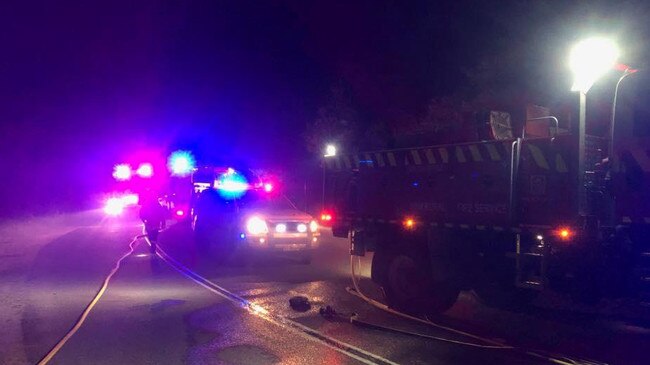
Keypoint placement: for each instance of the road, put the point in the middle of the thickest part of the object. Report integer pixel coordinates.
(183, 308)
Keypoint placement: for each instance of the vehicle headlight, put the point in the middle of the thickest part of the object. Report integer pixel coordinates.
(281, 228)
(313, 226)
(302, 228)
(256, 225)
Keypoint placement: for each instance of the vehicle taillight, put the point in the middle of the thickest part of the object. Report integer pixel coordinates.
(326, 217)
(122, 172)
(145, 170)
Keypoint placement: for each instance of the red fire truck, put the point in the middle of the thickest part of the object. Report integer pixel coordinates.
(507, 217)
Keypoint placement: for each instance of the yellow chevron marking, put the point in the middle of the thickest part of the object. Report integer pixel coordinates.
(460, 156)
(346, 161)
(444, 154)
(449, 225)
(368, 158)
(464, 226)
(430, 157)
(498, 228)
(560, 165)
(380, 159)
(480, 228)
(538, 156)
(416, 157)
(391, 159)
(494, 153)
(476, 154)
(406, 160)
(355, 160)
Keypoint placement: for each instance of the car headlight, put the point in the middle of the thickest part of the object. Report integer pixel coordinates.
(256, 225)
(302, 228)
(313, 226)
(281, 228)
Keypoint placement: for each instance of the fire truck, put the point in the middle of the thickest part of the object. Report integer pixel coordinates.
(507, 216)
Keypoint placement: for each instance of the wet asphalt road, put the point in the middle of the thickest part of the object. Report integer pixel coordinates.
(152, 314)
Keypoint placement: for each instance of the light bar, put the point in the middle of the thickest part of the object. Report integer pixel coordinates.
(122, 172)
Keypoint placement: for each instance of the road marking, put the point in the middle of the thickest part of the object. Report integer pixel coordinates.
(284, 322)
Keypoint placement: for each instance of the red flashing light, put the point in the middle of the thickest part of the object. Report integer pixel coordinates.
(268, 187)
(409, 223)
(565, 233)
(180, 213)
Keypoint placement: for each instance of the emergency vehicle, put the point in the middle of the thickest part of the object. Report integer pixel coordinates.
(237, 211)
(507, 216)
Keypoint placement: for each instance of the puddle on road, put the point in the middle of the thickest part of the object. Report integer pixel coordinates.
(246, 355)
(164, 304)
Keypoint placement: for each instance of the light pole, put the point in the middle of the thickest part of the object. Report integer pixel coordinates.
(330, 151)
(589, 60)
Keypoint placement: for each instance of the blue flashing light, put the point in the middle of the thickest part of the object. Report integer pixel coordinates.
(415, 183)
(242, 236)
(231, 185)
(181, 163)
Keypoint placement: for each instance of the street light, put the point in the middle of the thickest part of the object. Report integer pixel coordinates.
(589, 60)
(330, 150)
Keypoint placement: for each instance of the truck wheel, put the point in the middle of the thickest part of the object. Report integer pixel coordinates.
(410, 287)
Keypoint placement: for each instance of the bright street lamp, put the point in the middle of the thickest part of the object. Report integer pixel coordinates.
(330, 150)
(590, 60)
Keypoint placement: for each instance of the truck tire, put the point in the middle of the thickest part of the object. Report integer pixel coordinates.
(410, 287)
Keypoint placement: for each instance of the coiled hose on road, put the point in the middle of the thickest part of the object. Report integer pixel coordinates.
(356, 291)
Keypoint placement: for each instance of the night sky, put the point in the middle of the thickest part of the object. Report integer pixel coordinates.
(84, 84)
